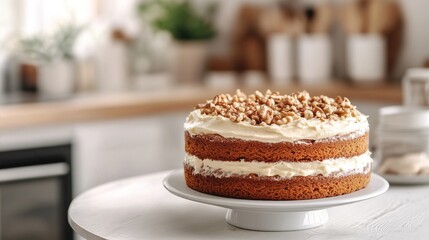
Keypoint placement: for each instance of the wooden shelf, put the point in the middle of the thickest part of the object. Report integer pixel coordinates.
(97, 107)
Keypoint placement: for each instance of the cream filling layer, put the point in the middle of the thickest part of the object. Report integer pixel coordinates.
(282, 169)
(309, 129)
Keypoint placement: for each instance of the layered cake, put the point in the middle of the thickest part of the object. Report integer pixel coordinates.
(276, 147)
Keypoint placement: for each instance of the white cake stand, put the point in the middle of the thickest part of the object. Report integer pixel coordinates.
(262, 215)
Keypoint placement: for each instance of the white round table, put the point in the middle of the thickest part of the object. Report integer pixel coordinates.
(140, 208)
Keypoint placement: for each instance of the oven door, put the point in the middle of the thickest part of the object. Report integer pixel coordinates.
(31, 202)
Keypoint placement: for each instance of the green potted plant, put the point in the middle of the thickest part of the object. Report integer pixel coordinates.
(52, 53)
(191, 31)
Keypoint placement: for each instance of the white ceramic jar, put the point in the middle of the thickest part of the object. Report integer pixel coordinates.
(280, 58)
(366, 58)
(314, 59)
(57, 78)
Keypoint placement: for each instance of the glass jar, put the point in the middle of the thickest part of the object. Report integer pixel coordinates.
(416, 87)
(403, 141)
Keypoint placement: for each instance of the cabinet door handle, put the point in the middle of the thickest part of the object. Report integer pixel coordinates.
(32, 172)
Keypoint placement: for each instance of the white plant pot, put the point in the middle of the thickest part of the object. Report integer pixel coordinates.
(112, 67)
(314, 59)
(188, 61)
(280, 58)
(57, 78)
(221, 80)
(366, 58)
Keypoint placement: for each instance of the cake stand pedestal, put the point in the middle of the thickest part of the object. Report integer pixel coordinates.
(262, 215)
(276, 221)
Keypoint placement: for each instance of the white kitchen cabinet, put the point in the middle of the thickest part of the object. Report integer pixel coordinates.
(106, 151)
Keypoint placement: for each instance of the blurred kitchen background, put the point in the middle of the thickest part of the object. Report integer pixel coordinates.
(97, 90)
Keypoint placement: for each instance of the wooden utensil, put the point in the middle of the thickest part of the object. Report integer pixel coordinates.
(323, 20)
(294, 16)
(394, 33)
(363, 11)
(310, 16)
(297, 26)
(352, 18)
(378, 18)
(385, 18)
(248, 45)
(273, 20)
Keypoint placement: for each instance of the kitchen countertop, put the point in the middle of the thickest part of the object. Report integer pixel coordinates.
(102, 106)
(140, 208)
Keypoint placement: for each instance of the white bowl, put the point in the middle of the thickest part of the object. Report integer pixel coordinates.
(404, 118)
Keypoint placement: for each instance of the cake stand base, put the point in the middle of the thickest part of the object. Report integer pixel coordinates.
(276, 221)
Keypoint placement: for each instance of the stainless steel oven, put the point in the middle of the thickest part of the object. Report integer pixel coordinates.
(35, 191)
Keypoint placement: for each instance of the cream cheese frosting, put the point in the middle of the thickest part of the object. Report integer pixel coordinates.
(283, 169)
(300, 129)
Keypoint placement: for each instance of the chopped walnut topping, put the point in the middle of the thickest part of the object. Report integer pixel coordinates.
(273, 108)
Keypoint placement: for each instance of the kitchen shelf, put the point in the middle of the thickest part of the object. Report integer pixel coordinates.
(103, 106)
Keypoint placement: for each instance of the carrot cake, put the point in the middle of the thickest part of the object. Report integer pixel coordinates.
(276, 147)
